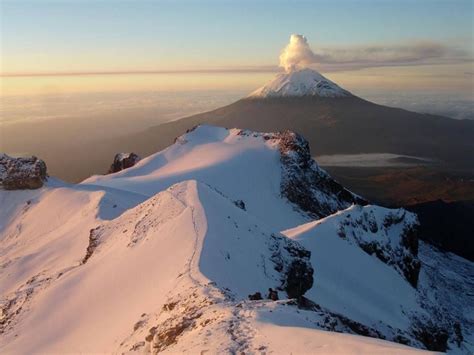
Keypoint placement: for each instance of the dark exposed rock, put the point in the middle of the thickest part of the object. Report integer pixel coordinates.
(123, 161)
(165, 338)
(409, 264)
(306, 304)
(22, 173)
(458, 337)
(375, 238)
(393, 218)
(299, 279)
(374, 248)
(240, 204)
(433, 337)
(257, 296)
(169, 306)
(424, 332)
(411, 269)
(180, 319)
(292, 261)
(303, 182)
(151, 334)
(93, 243)
(137, 346)
(359, 328)
(299, 276)
(272, 294)
(307, 185)
(410, 238)
(446, 297)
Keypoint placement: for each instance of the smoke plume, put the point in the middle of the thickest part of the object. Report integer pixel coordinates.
(297, 54)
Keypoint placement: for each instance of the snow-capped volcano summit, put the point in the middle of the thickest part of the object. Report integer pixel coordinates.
(299, 83)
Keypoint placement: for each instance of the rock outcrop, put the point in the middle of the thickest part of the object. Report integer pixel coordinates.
(389, 235)
(292, 261)
(307, 185)
(22, 173)
(123, 161)
(303, 182)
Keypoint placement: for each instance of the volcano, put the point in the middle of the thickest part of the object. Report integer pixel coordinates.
(300, 83)
(332, 119)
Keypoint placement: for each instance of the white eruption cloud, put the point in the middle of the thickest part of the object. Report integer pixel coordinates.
(297, 54)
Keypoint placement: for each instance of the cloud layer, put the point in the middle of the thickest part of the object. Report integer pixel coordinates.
(412, 53)
(298, 54)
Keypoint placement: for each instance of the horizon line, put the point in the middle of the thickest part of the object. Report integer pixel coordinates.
(262, 69)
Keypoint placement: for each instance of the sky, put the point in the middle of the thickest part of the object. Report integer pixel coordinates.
(81, 46)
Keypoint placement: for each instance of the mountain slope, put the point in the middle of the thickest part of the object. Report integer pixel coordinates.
(178, 253)
(151, 283)
(333, 121)
(169, 275)
(132, 265)
(351, 279)
(257, 169)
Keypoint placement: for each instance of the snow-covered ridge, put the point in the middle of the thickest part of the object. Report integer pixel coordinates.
(162, 257)
(188, 238)
(178, 266)
(300, 83)
(257, 168)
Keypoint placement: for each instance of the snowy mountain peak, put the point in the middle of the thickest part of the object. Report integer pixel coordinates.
(300, 83)
(228, 241)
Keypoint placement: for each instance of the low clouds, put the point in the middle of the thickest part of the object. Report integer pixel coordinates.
(402, 54)
(298, 54)
(448, 105)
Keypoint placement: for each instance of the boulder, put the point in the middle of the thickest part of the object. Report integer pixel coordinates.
(123, 161)
(22, 173)
(255, 297)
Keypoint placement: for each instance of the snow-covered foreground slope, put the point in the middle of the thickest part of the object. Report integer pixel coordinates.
(180, 262)
(162, 257)
(366, 284)
(356, 290)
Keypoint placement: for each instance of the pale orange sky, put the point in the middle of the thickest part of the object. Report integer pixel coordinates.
(400, 44)
(443, 78)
